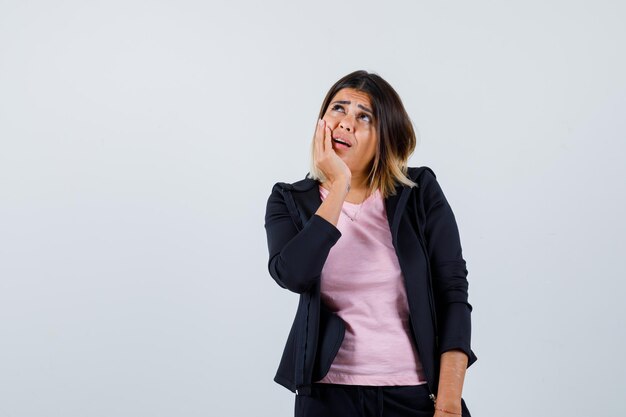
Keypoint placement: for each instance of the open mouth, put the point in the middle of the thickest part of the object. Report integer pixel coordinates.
(341, 142)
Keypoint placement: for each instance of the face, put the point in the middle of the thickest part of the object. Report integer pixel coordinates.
(350, 117)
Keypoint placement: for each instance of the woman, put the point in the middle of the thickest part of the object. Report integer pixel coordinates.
(372, 247)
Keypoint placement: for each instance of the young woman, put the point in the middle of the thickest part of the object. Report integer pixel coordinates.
(373, 249)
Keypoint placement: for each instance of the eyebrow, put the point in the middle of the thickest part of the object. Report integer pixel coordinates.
(349, 102)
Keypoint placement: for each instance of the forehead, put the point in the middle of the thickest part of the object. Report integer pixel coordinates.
(354, 96)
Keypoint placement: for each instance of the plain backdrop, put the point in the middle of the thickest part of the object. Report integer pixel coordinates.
(140, 140)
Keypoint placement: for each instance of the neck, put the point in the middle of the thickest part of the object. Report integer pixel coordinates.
(358, 185)
(358, 182)
(358, 189)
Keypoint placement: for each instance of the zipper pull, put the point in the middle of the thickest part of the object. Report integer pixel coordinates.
(433, 397)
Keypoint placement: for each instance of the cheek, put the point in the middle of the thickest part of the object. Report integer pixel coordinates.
(368, 145)
(373, 144)
(330, 121)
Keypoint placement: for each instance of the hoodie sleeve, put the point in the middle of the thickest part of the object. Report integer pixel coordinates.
(448, 269)
(296, 257)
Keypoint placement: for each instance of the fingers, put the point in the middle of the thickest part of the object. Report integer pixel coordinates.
(319, 137)
(328, 137)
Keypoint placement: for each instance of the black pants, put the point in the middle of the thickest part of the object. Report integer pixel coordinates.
(334, 400)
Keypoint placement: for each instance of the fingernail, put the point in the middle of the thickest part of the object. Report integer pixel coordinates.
(320, 123)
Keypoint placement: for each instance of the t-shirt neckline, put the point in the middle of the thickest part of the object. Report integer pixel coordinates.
(374, 194)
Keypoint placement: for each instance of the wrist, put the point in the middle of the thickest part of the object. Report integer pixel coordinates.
(448, 412)
(340, 184)
(449, 406)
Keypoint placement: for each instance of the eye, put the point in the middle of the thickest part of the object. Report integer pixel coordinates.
(337, 107)
(365, 117)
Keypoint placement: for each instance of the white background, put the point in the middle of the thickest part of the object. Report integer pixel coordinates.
(139, 141)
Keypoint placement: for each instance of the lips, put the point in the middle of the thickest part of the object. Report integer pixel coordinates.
(343, 141)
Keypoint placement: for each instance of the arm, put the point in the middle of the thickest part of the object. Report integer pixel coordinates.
(450, 285)
(336, 171)
(297, 257)
(451, 377)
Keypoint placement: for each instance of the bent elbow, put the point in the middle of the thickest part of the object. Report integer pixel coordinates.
(287, 277)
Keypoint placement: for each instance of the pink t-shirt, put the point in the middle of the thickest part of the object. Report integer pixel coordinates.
(362, 282)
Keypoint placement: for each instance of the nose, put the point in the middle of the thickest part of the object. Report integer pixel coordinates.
(347, 123)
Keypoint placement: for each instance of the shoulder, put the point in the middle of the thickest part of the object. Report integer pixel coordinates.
(430, 190)
(421, 175)
(281, 194)
(281, 201)
(297, 186)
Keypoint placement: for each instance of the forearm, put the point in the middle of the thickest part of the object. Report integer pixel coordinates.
(451, 377)
(302, 259)
(299, 263)
(330, 209)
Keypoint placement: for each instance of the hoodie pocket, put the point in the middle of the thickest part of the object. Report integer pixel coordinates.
(331, 332)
